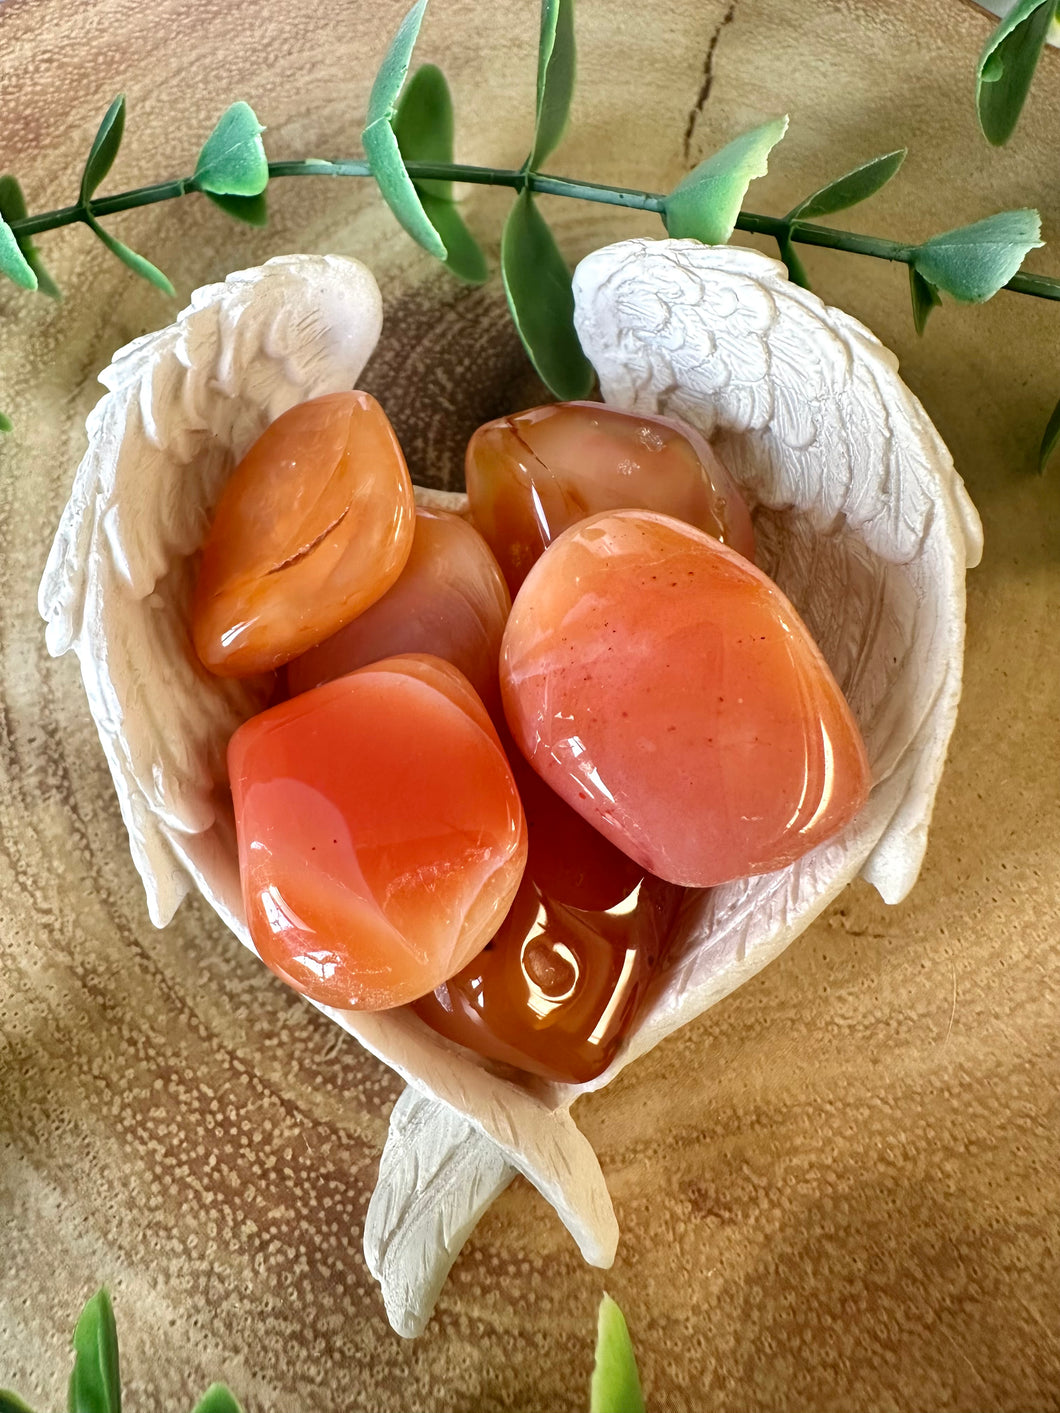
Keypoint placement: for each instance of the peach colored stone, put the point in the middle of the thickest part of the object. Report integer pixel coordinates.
(314, 525)
(671, 694)
(381, 838)
(534, 474)
(450, 600)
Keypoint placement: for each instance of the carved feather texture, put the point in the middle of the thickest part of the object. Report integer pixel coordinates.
(859, 515)
(183, 405)
(437, 1176)
(861, 519)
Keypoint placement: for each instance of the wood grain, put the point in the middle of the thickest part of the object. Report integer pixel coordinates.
(839, 1190)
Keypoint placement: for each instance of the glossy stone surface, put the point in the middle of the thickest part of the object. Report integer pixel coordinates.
(381, 838)
(450, 600)
(846, 1141)
(534, 474)
(557, 988)
(568, 859)
(314, 525)
(671, 694)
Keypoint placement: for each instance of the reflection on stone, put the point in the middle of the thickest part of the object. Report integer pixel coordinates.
(450, 600)
(558, 987)
(314, 525)
(667, 690)
(534, 474)
(381, 838)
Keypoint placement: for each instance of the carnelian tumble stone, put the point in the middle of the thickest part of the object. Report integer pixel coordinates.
(557, 989)
(314, 525)
(569, 861)
(532, 475)
(449, 600)
(671, 694)
(381, 838)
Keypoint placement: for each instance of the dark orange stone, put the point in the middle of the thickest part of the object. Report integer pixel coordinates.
(532, 475)
(558, 987)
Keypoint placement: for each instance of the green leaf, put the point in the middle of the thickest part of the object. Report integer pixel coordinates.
(423, 124)
(12, 261)
(705, 205)
(382, 100)
(796, 270)
(10, 1402)
(6, 425)
(925, 297)
(463, 254)
(217, 1399)
(95, 1384)
(381, 144)
(993, 68)
(973, 262)
(232, 161)
(142, 267)
(423, 127)
(555, 78)
(616, 1384)
(253, 210)
(13, 208)
(1050, 437)
(538, 285)
(104, 148)
(1007, 65)
(848, 190)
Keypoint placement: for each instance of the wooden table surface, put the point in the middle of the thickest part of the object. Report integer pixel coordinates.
(839, 1190)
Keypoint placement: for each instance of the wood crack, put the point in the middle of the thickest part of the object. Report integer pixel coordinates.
(708, 79)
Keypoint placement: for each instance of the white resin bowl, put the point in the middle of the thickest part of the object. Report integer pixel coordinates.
(860, 518)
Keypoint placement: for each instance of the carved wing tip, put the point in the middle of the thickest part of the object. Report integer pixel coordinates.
(894, 865)
(971, 526)
(53, 605)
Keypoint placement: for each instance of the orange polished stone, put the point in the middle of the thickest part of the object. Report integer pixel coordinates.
(671, 694)
(534, 474)
(450, 600)
(569, 861)
(381, 838)
(314, 525)
(557, 988)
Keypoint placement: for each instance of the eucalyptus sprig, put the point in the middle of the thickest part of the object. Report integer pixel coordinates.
(615, 1386)
(95, 1380)
(536, 279)
(1007, 65)
(408, 146)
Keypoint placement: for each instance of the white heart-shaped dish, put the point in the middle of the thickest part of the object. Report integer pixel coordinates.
(860, 517)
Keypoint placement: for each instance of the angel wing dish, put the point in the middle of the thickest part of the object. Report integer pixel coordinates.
(860, 517)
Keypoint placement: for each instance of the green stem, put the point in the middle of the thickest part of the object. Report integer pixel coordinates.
(104, 206)
(539, 182)
(776, 227)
